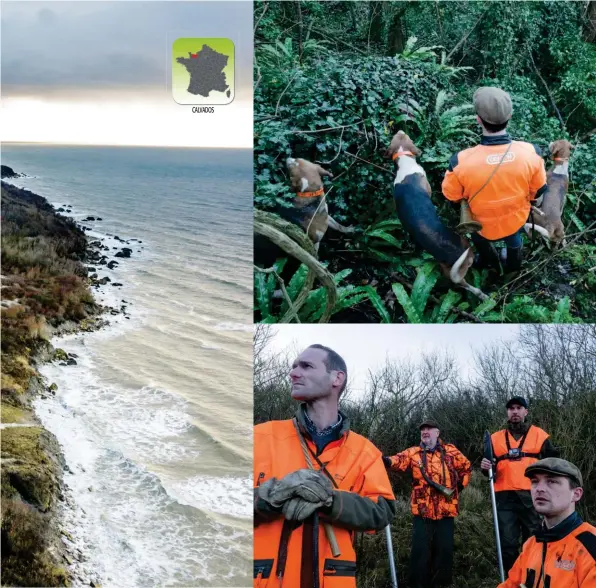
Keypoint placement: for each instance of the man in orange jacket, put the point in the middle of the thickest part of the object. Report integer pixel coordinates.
(440, 472)
(515, 448)
(500, 202)
(316, 483)
(562, 553)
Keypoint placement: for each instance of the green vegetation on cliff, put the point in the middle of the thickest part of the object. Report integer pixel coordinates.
(43, 286)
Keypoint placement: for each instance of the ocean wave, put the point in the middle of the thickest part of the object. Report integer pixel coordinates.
(126, 519)
(227, 495)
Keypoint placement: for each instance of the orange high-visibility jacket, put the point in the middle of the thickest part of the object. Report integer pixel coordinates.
(503, 205)
(426, 501)
(510, 467)
(363, 501)
(566, 562)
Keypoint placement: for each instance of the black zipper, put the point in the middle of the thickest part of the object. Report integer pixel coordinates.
(261, 476)
(339, 568)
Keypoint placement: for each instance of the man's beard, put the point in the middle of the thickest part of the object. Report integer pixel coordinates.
(517, 425)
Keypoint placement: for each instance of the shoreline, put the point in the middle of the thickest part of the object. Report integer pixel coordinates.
(35, 495)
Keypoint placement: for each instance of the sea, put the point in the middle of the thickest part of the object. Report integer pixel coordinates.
(155, 418)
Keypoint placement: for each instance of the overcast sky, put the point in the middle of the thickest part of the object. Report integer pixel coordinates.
(365, 347)
(100, 71)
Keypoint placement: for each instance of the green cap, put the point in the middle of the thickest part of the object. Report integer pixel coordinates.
(556, 466)
(493, 105)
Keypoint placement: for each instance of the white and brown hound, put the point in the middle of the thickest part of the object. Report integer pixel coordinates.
(412, 194)
(546, 220)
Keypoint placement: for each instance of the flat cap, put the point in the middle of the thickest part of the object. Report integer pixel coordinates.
(517, 400)
(556, 466)
(493, 105)
(429, 423)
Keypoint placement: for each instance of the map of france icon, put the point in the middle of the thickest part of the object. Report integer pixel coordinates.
(203, 71)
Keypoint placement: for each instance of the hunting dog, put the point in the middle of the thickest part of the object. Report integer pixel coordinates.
(419, 217)
(546, 220)
(309, 209)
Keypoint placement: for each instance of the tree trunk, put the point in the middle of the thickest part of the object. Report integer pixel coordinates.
(395, 36)
(352, 10)
(375, 13)
(300, 29)
(590, 22)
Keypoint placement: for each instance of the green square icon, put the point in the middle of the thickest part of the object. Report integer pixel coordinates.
(203, 71)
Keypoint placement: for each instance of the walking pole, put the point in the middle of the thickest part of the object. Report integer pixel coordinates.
(391, 558)
(488, 453)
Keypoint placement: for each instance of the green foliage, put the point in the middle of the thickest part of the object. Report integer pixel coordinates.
(436, 127)
(377, 302)
(311, 311)
(415, 304)
(575, 61)
(523, 309)
(30, 474)
(419, 54)
(340, 100)
(25, 543)
(356, 99)
(379, 243)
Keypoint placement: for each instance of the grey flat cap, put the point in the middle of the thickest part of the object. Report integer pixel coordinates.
(493, 105)
(556, 466)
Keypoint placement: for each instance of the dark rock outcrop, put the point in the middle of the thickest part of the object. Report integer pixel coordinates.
(125, 252)
(8, 172)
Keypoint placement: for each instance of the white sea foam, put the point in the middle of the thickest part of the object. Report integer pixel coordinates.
(231, 496)
(124, 521)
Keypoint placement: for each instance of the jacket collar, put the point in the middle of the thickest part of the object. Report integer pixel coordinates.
(495, 139)
(302, 423)
(437, 446)
(560, 531)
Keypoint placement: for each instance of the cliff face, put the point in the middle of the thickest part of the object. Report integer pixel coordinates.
(44, 289)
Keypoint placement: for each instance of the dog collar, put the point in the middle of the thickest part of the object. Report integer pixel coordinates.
(559, 159)
(396, 155)
(319, 192)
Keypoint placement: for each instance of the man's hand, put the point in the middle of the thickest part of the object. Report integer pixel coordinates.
(264, 491)
(298, 509)
(485, 464)
(309, 485)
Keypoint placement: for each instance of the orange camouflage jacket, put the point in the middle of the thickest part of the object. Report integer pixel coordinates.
(445, 465)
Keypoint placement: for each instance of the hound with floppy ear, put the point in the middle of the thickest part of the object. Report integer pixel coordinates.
(546, 220)
(419, 217)
(310, 209)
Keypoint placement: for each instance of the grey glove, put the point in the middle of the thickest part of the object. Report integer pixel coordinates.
(298, 509)
(309, 485)
(264, 491)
